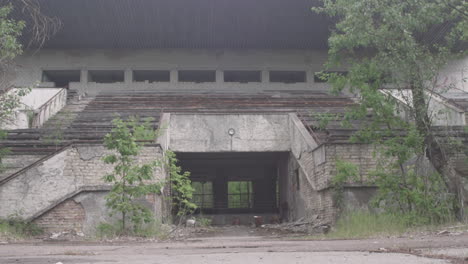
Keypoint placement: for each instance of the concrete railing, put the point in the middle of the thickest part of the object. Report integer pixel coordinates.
(49, 108)
(305, 149)
(36, 107)
(441, 111)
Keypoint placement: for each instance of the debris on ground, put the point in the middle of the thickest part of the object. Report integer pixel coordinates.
(71, 235)
(313, 225)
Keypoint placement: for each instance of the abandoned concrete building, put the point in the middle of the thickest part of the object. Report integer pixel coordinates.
(233, 86)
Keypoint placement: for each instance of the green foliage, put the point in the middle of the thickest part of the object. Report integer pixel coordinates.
(9, 102)
(154, 229)
(346, 172)
(14, 227)
(10, 47)
(3, 151)
(130, 180)
(363, 224)
(107, 231)
(10, 31)
(181, 186)
(325, 118)
(422, 198)
(385, 44)
(204, 222)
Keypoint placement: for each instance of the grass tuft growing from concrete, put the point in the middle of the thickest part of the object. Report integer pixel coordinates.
(363, 224)
(154, 229)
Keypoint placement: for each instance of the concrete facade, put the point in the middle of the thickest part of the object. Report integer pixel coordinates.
(210, 133)
(74, 174)
(313, 163)
(310, 61)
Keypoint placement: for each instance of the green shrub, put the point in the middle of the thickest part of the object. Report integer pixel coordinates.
(154, 229)
(16, 227)
(362, 224)
(204, 222)
(106, 230)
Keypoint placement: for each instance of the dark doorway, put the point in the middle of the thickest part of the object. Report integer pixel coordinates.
(234, 183)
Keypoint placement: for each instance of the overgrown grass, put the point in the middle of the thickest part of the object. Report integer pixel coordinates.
(16, 228)
(363, 224)
(204, 222)
(154, 229)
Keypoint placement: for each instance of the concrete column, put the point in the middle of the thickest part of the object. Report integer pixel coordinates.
(128, 76)
(219, 76)
(84, 76)
(265, 76)
(174, 76)
(310, 76)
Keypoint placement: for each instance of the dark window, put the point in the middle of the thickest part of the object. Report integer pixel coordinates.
(151, 76)
(203, 194)
(61, 78)
(240, 194)
(106, 76)
(197, 76)
(242, 76)
(322, 77)
(288, 76)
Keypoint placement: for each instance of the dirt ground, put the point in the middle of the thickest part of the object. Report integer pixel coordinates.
(244, 245)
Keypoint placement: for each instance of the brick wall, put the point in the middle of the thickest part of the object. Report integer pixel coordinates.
(316, 170)
(67, 216)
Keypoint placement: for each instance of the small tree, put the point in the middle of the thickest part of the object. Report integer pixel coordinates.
(181, 186)
(129, 179)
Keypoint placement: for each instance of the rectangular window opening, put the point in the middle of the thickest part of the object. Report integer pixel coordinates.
(61, 78)
(288, 76)
(203, 194)
(151, 76)
(242, 76)
(106, 76)
(197, 76)
(240, 194)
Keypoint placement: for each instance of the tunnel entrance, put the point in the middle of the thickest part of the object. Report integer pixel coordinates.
(232, 188)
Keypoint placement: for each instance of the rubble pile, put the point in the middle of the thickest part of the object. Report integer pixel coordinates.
(308, 226)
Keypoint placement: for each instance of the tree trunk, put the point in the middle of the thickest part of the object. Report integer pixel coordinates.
(434, 150)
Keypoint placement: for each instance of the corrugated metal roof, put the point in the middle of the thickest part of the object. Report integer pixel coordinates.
(237, 24)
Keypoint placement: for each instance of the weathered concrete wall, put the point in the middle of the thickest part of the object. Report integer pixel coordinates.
(311, 168)
(14, 163)
(84, 212)
(172, 59)
(305, 178)
(454, 75)
(38, 187)
(75, 170)
(209, 133)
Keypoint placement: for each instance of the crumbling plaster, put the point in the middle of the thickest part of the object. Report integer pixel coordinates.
(74, 170)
